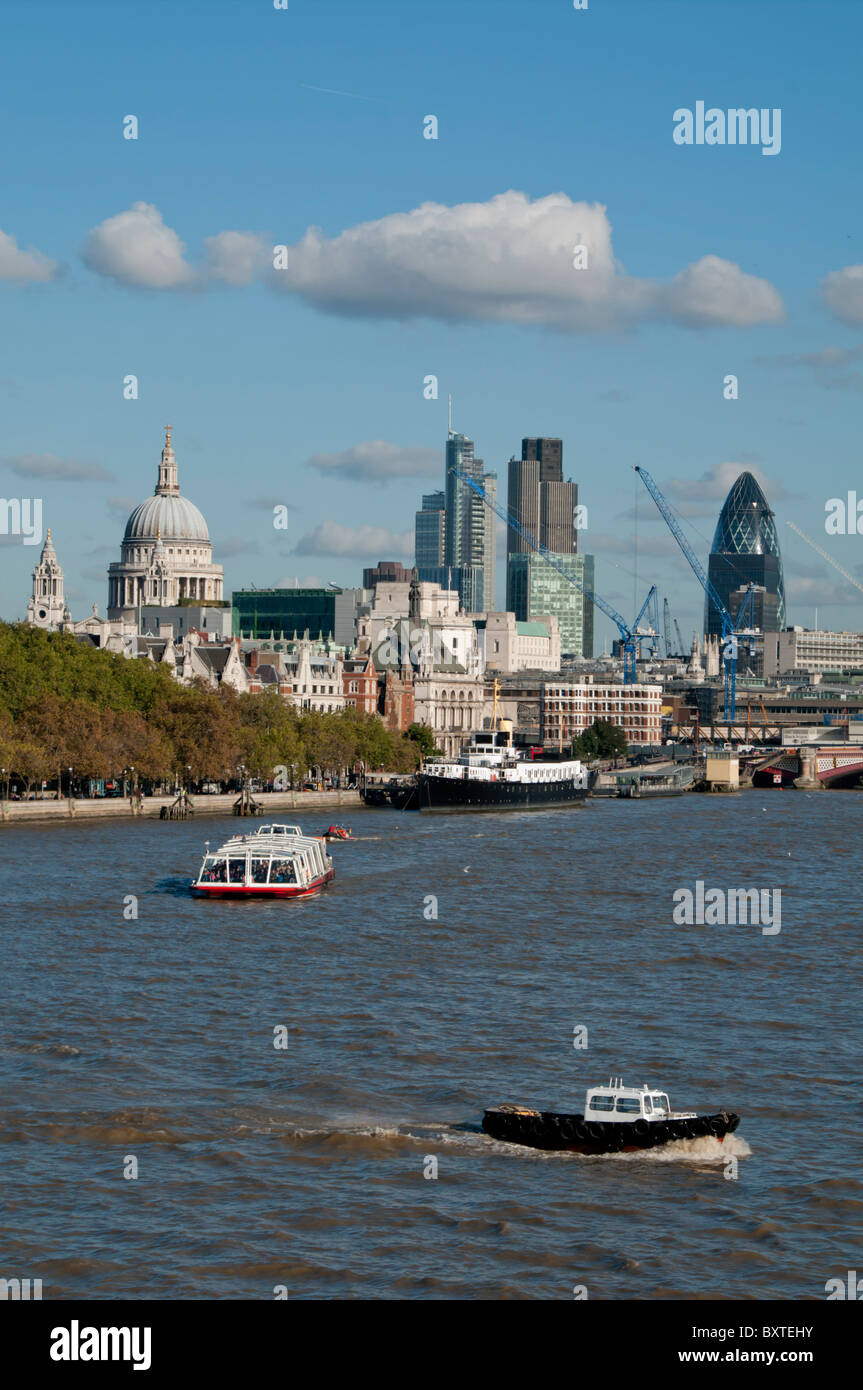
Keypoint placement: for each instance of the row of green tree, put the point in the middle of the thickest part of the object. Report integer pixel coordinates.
(64, 704)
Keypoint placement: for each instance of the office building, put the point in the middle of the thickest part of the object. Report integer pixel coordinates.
(539, 589)
(430, 532)
(469, 541)
(745, 551)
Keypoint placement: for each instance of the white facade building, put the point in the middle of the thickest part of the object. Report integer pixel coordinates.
(801, 649)
(166, 554)
(507, 645)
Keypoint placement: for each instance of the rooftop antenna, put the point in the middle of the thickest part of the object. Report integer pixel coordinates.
(450, 418)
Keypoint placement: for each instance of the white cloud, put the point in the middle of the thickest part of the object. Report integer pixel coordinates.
(136, 248)
(378, 542)
(714, 291)
(237, 257)
(24, 267)
(842, 292)
(508, 260)
(377, 461)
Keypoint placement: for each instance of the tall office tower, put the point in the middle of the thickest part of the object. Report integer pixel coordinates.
(541, 500)
(548, 453)
(430, 531)
(545, 506)
(470, 533)
(540, 590)
(745, 550)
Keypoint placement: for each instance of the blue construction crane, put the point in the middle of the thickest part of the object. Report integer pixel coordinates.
(731, 629)
(630, 636)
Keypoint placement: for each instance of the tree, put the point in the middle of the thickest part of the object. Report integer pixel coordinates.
(602, 740)
(422, 736)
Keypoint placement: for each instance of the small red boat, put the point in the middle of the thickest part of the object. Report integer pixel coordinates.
(278, 861)
(338, 832)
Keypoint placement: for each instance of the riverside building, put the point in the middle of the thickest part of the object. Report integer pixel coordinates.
(569, 707)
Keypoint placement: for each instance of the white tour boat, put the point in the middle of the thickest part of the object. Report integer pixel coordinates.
(277, 861)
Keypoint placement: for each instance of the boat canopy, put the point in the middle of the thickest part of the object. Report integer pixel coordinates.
(281, 855)
(615, 1101)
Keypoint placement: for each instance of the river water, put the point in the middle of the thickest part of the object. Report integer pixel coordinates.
(150, 1040)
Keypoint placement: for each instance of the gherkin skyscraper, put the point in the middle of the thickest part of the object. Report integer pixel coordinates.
(745, 550)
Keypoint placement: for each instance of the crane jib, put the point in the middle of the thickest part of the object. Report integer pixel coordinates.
(629, 634)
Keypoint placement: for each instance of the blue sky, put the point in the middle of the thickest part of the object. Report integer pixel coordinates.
(260, 374)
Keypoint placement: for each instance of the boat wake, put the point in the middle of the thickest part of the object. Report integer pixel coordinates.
(703, 1150)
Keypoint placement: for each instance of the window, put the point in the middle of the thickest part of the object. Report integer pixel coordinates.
(236, 870)
(214, 870)
(282, 871)
(602, 1103)
(629, 1105)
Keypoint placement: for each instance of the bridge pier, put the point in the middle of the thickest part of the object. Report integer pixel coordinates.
(808, 779)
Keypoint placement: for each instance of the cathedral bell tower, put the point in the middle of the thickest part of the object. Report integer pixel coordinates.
(47, 606)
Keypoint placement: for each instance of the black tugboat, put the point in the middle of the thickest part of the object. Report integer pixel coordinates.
(616, 1119)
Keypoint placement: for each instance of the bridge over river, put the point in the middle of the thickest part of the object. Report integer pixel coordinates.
(808, 766)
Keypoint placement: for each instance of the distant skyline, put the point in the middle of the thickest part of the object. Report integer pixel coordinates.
(411, 257)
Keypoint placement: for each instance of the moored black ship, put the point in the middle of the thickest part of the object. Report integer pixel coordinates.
(616, 1119)
(492, 775)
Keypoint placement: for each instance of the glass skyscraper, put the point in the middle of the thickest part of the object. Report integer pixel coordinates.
(469, 542)
(745, 550)
(538, 589)
(430, 532)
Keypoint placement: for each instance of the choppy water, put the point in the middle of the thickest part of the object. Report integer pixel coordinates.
(154, 1038)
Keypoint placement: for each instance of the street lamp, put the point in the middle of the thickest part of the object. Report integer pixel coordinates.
(70, 783)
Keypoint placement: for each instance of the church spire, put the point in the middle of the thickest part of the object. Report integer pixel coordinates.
(47, 605)
(168, 486)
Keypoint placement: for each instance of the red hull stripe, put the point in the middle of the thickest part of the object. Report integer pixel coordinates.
(261, 890)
